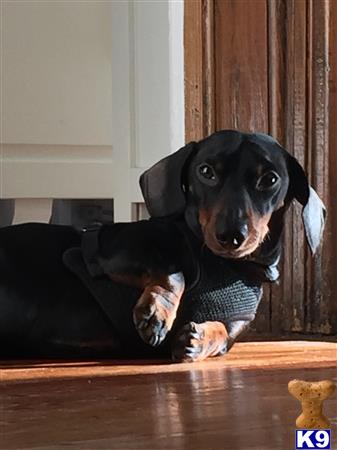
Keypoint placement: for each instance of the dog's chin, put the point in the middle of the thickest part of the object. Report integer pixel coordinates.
(246, 249)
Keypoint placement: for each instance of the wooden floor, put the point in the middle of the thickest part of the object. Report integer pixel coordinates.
(239, 401)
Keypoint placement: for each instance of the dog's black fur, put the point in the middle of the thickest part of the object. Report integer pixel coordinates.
(229, 192)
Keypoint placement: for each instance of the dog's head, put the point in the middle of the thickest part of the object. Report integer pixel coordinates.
(233, 189)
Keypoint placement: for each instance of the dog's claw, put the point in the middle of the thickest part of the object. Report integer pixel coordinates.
(155, 340)
(190, 350)
(142, 324)
(157, 307)
(151, 327)
(198, 341)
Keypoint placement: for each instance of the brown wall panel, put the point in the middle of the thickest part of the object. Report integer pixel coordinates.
(241, 80)
(288, 298)
(194, 70)
(271, 65)
(241, 70)
(330, 255)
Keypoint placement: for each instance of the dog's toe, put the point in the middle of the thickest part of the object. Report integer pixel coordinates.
(188, 344)
(156, 308)
(152, 319)
(197, 341)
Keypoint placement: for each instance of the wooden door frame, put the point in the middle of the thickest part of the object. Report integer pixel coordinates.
(302, 84)
(199, 69)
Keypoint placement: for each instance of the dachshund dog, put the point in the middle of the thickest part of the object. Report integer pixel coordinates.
(217, 207)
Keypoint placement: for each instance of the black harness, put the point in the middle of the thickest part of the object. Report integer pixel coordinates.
(217, 290)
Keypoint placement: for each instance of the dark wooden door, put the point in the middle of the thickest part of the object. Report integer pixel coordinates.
(271, 66)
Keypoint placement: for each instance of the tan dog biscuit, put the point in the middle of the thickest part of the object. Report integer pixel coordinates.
(311, 395)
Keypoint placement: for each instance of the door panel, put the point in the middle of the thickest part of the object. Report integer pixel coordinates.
(241, 71)
(270, 65)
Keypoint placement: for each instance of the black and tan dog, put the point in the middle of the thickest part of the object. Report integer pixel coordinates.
(133, 289)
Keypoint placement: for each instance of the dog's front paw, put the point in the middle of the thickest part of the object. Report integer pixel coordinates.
(197, 341)
(153, 317)
(156, 309)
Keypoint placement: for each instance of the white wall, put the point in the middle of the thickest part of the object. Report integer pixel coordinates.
(56, 72)
(93, 93)
(148, 87)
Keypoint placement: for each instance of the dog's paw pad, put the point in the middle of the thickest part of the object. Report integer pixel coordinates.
(152, 318)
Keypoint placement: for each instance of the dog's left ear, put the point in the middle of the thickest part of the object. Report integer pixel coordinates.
(162, 184)
(314, 212)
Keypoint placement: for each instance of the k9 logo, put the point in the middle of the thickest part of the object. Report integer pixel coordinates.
(315, 439)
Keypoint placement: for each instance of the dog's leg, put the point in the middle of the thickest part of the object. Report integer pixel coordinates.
(197, 341)
(157, 307)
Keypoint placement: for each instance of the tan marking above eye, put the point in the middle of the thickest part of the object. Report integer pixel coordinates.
(218, 166)
(259, 170)
(204, 217)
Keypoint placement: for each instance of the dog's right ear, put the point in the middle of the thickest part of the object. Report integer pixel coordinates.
(162, 184)
(314, 211)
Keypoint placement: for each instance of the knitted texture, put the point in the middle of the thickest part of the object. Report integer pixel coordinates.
(221, 293)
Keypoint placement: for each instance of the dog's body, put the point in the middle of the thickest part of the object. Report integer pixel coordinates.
(40, 299)
(229, 191)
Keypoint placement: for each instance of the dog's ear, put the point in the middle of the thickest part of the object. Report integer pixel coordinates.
(314, 212)
(162, 184)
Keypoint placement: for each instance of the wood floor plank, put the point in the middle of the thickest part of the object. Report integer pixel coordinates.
(243, 355)
(237, 402)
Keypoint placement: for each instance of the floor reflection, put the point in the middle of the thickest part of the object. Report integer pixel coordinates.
(214, 408)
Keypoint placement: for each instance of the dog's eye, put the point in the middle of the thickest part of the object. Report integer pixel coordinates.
(207, 172)
(267, 180)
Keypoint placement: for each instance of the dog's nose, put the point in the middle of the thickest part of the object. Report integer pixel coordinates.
(234, 238)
